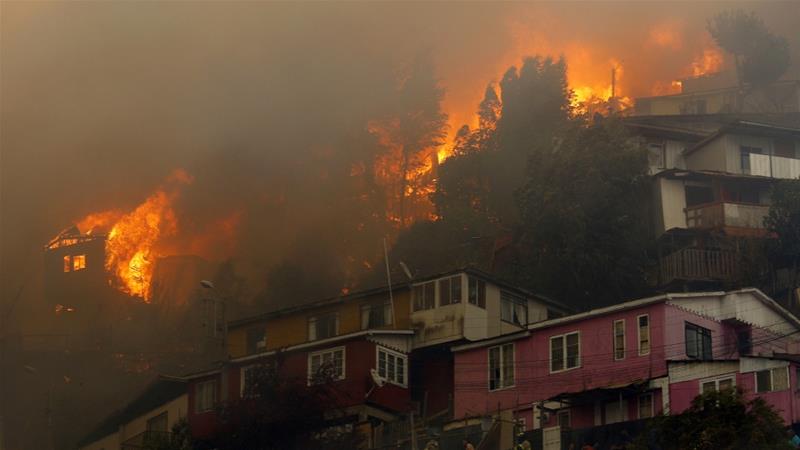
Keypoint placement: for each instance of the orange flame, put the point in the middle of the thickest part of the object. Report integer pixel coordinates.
(709, 62)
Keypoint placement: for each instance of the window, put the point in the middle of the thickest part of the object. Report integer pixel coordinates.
(745, 156)
(698, 342)
(450, 290)
(323, 326)
(645, 406)
(246, 377)
(501, 366)
(327, 364)
(656, 155)
(719, 384)
(78, 262)
(392, 366)
(744, 342)
(513, 309)
(644, 334)
(376, 315)
(565, 352)
(619, 339)
(205, 394)
(563, 418)
(158, 423)
(67, 263)
(477, 292)
(256, 340)
(425, 296)
(771, 380)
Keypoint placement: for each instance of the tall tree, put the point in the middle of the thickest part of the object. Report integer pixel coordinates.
(761, 57)
(585, 229)
(783, 221)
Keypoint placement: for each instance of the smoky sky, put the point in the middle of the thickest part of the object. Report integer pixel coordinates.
(259, 101)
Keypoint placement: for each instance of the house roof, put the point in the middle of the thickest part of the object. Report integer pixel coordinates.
(706, 174)
(158, 392)
(339, 299)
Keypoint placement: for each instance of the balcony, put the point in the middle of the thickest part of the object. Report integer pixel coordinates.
(726, 215)
(774, 166)
(691, 264)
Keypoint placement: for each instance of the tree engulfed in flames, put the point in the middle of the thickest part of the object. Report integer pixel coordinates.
(131, 245)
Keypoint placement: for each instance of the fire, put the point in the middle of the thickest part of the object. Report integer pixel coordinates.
(132, 243)
(709, 62)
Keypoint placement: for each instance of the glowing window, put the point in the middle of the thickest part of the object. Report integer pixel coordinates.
(67, 263)
(78, 262)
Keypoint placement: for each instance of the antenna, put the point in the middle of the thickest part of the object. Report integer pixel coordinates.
(388, 278)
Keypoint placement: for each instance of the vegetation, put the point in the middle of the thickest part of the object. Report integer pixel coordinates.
(717, 421)
(783, 221)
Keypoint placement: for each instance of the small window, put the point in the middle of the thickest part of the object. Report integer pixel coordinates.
(644, 334)
(513, 309)
(67, 263)
(563, 417)
(205, 396)
(256, 340)
(477, 292)
(744, 342)
(78, 262)
(717, 385)
(772, 380)
(392, 366)
(565, 352)
(425, 296)
(501, 366)
(656, 155)
(619, 339)
(698, 342)
(646, 406)
(323, 326)
(450, 290)
(326, 364)
(376, 315)
(745, 156)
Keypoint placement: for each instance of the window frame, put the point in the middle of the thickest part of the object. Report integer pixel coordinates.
(426, 304)
(501, 384)
(479, 289)
(78, 262)
(561, 413)
(623, 350)
(700, 332)
(639, 405)
(197, 395)
(716, 380)
(315, 318)
(368, 308)
(397, 355)
(319, 353)
(639, 334)
(564, 351)
(243, 379)
(515, 301)
(451, 282)
(772, 380)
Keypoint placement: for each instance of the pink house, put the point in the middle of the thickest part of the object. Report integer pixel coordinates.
(632, 361)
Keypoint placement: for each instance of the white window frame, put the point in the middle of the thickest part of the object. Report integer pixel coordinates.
(315, 319)
(716, 380)
(639, 405)
(197, 396)
(502, 381)
(404, 357)
(639, 334)
(772, 380)
(322, 352)
(564, 348)
(614, 339)
(564, 412)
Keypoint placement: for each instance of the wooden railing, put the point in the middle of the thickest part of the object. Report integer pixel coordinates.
(695, 264)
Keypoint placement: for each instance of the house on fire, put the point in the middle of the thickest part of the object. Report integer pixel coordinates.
(405, 335)
(569, 379)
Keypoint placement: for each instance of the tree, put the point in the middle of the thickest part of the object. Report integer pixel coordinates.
(761, 57)
(718, 421)
(278, 412)
(585, 230)
(783, 220)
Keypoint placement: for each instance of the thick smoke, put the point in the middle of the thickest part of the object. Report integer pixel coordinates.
(266, 105)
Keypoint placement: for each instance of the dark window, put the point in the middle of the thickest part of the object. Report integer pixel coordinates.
(256, 340)
(477, 292)
(376, 315)
(745, 155)
(784, 147)
(323, 326)
(450, 290)
(698, 342)
(698, 195)
(744, 342)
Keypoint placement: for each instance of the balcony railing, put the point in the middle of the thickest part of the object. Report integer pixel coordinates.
(774, 166)
(695, 264)
(719, 215)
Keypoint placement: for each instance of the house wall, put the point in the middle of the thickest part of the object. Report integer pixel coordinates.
(292, 329)
(176, 410)
(672, 198)
(712, 156)
(533, 380)
(205, 424)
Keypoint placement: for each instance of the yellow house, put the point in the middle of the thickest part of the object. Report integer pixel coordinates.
(146, 419)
